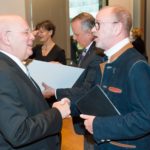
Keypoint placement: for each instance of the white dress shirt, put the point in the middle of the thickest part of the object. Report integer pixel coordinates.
(116, 48)
(17, 61)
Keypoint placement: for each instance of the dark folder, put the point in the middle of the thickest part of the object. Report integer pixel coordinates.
(97, 103)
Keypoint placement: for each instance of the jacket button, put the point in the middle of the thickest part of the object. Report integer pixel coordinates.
(104, 86)
(102, 140)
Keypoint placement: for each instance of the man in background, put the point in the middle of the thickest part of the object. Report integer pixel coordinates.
(82, 25)
(26, 121)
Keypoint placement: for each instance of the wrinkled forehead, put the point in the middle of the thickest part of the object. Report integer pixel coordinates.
(12, 22)
(105, 14)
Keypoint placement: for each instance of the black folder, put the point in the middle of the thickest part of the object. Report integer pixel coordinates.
(97, 103)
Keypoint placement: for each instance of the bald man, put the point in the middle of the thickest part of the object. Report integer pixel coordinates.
(26, 121)
(125, 78)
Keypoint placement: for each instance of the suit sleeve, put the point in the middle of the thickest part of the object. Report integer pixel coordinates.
(17, 124)
(81, 86)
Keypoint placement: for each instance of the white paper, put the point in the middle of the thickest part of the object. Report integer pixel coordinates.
(53, 74)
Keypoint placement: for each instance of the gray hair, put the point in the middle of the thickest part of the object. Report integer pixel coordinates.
(87, 20)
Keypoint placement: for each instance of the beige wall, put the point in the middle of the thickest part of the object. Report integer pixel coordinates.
(134, 6)
(126, 3)
(58, 12)
(147, 30)
(12, 7)
(55, 10)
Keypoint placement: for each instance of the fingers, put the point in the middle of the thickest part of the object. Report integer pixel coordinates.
(88, 122)
(45, 85)
(83, 116)
(69, 116)
(64, 107)
(35, 32)
(48, 91)
(55, 62)
(65, 100)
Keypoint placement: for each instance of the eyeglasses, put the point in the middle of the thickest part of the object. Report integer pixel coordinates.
(23, 32)
(98, 24)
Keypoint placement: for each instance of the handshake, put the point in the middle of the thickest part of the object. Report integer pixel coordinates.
(64, 107)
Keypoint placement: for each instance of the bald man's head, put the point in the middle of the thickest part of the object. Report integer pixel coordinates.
(7, 22)
(15, 36)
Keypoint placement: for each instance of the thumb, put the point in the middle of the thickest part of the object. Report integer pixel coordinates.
(62, 101)
(83, 116)
(44, 85)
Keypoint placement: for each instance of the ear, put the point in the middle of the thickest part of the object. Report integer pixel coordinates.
(118, 28)
(5, 37)
(50, 32)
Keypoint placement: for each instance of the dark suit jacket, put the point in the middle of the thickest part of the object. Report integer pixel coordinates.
(82, 85)
(90, 55)
(26, 121)
(126, 81)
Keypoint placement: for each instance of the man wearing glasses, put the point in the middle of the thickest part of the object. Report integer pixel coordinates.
(26, 121)
(125, 77)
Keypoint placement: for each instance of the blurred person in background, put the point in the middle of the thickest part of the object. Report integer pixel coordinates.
(137, 41)
(48, 51)
(82, 25)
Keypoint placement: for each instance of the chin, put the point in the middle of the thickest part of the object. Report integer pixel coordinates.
(29, 54)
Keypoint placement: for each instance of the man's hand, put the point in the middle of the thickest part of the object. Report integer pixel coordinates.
(35, 33)
(48, 91)
(64, 107)
(88, 122)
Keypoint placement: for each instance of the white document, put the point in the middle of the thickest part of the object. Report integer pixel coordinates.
(53, 74)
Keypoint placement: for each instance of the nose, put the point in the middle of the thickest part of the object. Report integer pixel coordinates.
(32, 36)
(74, 37)
(93, 29)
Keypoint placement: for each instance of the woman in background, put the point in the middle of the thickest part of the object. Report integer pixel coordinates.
(137, 41)
(47, 51)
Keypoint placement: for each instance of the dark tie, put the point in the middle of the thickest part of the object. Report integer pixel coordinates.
(81, 57)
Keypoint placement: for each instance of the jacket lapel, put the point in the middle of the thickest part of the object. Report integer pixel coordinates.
(18, 71)
(116, 55)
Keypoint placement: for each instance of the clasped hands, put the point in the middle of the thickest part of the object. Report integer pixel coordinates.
(64, 108)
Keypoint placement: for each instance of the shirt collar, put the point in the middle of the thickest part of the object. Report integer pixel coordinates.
(116, 48)
(17, 61)
(87, 48)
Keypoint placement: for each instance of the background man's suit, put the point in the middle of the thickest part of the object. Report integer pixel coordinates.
(82, 85)
(89, 57)
(21, 128)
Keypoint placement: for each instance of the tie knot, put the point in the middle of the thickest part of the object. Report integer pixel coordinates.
(84, 52)
(81, 57)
